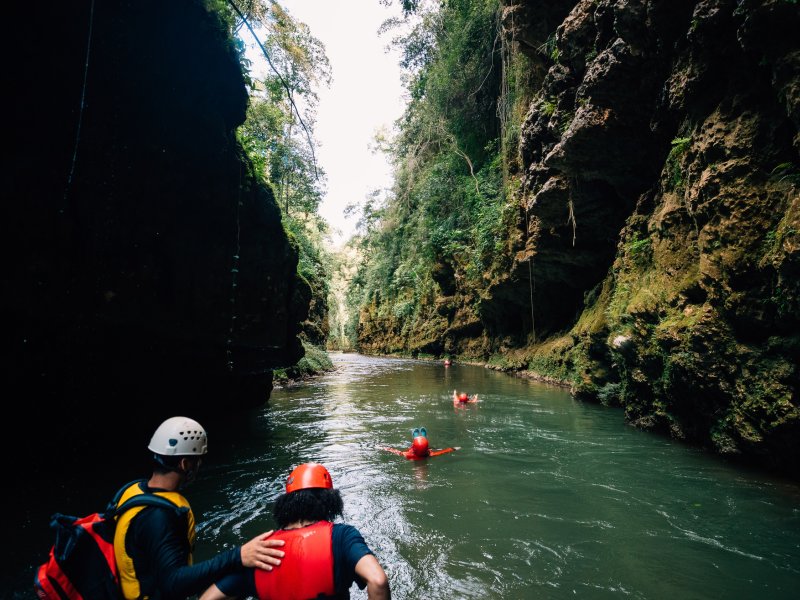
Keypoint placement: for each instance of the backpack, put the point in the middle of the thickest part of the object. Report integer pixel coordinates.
(81, 565)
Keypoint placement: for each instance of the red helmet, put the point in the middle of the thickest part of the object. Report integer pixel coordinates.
(462, 397)
(420, 445)
(308, 475)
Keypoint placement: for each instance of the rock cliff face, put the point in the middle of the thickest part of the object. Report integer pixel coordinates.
(673, 148)
(659, 229)
(147, 273)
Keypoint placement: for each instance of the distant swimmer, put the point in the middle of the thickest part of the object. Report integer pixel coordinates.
(447, 362)
(463, 398)
(419, 447)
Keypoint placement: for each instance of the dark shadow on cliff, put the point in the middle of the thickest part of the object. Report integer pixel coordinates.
(147, 273)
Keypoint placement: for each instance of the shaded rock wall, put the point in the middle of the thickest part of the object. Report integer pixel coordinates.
(675, 125)
(146, 272)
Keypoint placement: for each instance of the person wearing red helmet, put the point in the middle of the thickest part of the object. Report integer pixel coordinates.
(419, 447)
(463, 398)
(322, 558)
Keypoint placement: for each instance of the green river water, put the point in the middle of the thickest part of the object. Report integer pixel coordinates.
(546, 497)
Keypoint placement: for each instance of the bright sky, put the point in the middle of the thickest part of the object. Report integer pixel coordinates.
(365, 95)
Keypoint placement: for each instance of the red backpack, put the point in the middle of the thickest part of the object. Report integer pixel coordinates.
(81, 565)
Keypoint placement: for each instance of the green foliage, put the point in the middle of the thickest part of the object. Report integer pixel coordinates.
(679, 147)
(409, 6)
(451, 208)
(271, 136)
(225, 12)
(313, 261)
(564, 121)
(549, 48)
(314, 361)
(453, 54)
(640, 250)
(403, 309)
(516, 95)
(610, 394)
(275, 135)
(786, 172)
(783, 299)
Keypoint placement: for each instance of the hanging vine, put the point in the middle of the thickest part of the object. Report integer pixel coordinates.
(80, 110)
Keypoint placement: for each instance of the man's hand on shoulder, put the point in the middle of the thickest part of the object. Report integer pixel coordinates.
(262, 552)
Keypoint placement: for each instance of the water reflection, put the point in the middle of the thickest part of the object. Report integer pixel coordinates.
(420, 470)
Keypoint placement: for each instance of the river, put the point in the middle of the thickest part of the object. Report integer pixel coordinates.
(546, 497)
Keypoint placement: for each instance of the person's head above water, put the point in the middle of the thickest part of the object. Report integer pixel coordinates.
(420, 445)
(309, 497)
(308, 476)
(463, 397)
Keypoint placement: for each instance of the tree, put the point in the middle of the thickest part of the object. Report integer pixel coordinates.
(278, 132)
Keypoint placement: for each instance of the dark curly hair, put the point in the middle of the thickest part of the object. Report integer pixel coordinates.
(313, 504)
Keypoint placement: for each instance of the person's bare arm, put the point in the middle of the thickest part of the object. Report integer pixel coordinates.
(369, 569)
(262, 552)
(214, 593)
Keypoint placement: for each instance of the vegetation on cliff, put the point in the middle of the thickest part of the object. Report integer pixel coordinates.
(604, 194)
(445, 223)
(278, 136)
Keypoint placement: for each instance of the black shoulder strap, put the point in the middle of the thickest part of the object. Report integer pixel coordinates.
(143, 499)
(148, 500)
(121, 491)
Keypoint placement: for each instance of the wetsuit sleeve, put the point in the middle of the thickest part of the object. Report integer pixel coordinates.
(241, 585)
(348, 548)
(161, 552)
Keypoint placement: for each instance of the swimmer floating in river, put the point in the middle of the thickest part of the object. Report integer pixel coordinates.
(419, 447)
(463, 398)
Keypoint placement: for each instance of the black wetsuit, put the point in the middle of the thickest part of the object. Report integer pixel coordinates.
(158, 544)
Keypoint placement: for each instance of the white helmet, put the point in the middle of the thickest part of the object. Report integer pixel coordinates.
(179, 436)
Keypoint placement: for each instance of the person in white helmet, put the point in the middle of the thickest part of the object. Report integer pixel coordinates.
(153, 545)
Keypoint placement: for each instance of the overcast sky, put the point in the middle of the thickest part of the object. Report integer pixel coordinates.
(365, 95)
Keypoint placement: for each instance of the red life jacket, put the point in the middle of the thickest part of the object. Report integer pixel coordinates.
(307, 569)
